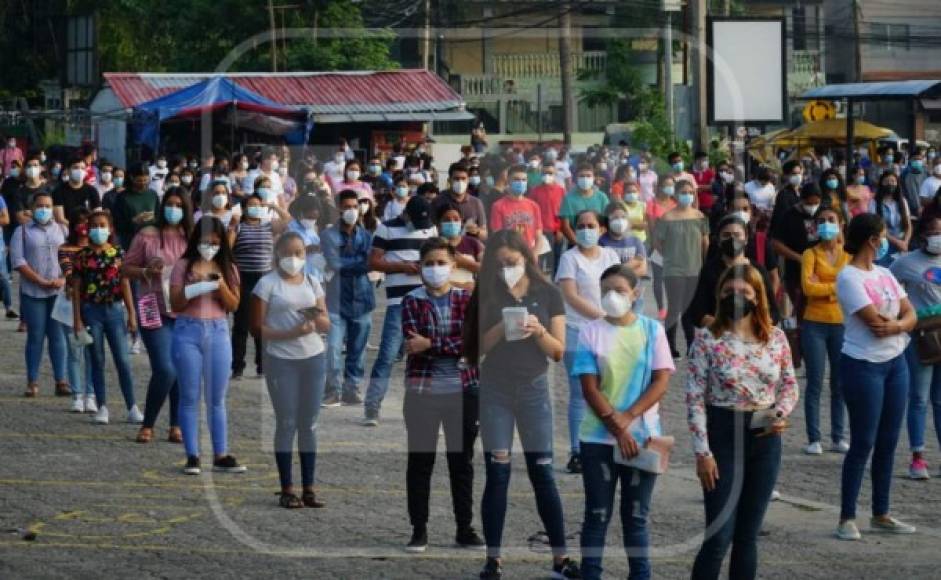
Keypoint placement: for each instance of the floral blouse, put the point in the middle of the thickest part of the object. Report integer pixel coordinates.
(100, 274)
(729, 372)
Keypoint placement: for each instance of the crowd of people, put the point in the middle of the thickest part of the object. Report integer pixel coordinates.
(507, 264)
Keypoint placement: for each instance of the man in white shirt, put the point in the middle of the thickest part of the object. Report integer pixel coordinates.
(158, 172)
(931, 185)
(267, 168)
(333, 170)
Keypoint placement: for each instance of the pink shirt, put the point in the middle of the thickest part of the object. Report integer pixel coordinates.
(647, 180)
(520, 214)
(145, 248)
(361, 188)
(8, 156)
(205, 306)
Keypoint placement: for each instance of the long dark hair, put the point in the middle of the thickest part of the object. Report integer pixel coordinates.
(860, 229)
(491, 289)
(208, 224)
(896, 194)
(187, 222)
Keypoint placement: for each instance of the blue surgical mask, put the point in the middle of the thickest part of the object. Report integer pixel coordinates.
(630, 197)
(828, 231)
(889, 159)
(255, 211)
(833, 183)
(685, 199)
(668, 190)
(917, 164)
(99, 236)
(518, 187)
(883, 248)
(585, 183)
(118, 182)
(401, 192)
(264, 193)
(474, 180)
(678, 166)
(587, 237)
(173, 215)
(42, 215)
(450, 229)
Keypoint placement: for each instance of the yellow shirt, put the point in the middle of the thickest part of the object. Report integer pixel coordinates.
(822, 305)
(636, 214)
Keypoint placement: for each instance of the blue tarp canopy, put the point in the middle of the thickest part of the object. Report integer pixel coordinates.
(219, 93)
(877, 90)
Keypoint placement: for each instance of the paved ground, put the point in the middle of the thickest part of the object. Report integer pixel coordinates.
(85, 501)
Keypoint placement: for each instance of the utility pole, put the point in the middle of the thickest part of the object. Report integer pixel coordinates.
(857, 16)
(426, 37)
(565, 69)
(274, 37)
(701, 137)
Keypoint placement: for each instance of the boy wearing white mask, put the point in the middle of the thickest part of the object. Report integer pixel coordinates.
(584, 197)
(74, 193)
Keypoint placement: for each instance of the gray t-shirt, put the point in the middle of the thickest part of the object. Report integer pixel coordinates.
(912, 271)
(285, 302)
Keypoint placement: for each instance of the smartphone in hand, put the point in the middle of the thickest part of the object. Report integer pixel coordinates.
(311, 313)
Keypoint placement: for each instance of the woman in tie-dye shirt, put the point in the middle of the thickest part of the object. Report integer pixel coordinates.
(624, 364)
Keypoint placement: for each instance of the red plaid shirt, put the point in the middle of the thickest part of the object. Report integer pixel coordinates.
(419, 317)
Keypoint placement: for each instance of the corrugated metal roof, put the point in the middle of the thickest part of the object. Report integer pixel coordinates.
(357, 92)
(877, 90)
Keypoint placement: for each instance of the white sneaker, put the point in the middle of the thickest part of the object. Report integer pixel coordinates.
(134, 416)
(775, 495)
(848, 531)
(814, 448)
(840, 447)
(91, 406)
(135, 345)
(78, 404)
(891, 525)
(101, 417)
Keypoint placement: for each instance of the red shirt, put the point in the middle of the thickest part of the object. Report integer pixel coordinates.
(704, 190)
(549, 199)
(521, 214)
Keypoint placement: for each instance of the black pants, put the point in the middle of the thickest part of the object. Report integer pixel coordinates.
(424, 416)
(240, 324)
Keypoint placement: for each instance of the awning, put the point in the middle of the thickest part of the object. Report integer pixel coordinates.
(423, 116)
(877, 90)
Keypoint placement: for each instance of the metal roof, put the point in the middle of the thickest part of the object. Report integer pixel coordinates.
(383, 93)
(876, 90)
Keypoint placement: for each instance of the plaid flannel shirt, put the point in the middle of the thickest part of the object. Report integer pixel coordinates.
(419, 317)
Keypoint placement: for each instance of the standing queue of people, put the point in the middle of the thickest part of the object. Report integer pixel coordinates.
(471, 308)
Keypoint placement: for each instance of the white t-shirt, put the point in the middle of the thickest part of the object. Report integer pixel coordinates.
(248, 184)
(929, 187)
(761, 196)
(856, 289)
(587, 275)
(285, 301)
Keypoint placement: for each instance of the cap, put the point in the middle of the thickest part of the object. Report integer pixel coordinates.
(418, 211)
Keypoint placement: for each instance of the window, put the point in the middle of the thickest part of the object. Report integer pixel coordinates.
(799, 36)
(890, 37)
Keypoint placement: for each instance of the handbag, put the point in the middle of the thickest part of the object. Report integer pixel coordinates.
(62, 311)
(654, 456)
(927, 336)
(148, 312)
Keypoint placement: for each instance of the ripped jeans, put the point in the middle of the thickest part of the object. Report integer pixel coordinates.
(528, 408)
(601, 476)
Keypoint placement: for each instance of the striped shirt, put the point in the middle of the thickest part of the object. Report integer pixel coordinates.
(400, 243)
(254, 247)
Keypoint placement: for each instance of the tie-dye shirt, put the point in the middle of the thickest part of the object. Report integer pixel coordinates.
(624, 357)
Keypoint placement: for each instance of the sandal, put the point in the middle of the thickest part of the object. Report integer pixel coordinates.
(310, 500)
(289, 501)
(32, 391)
(145, 435)
(175, 435)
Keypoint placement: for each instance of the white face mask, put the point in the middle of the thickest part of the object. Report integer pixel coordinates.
(208, 251)
(106, 177)
(310, 224)
(220, 201)
(615, 304)
(275, 165)
(618, 225)
(436, 276)
(459, 186)
(745, 216)
(937, 170)
(244, 165)
(32, 172)
(513, 274)
(548, 178)
(350, 216)
(352, 175)
(933, 244)
(811, 209)
(77, 175)
(291, 265)
(162, 163)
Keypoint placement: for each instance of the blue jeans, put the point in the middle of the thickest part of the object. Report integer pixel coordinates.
(163, 380)
(353, 332)
(528, 407)
(576, 405)
(5, 287)
(296, 390)
(79, 361)
(876, 395)
(37, 314)
(925, 386)
(600, 475)
(202, 354)
(820, 342)
(109, 322)
(735, 509)
(389, 347)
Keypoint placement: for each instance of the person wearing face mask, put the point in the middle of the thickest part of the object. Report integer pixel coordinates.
(9, 154)
(468, 250)
(400, 196)
(932, 183)
(474, 181)
(891, 205)
(704, 175)
(289, 313)
(217, 203)
(34, 254)
(795, 232)
(351, 180)
(913, 271)
(578, 277)
(660, 205)
(374, 176)
(74, 193)
(79, 357)
(514, 388)
(472, 208)
(515, 211)
(623, 174)
(333, 170)
(740, 390)
(681, 237)
(822, 328)
(135, 208)
(239, 171)
(913, 177)
(792, 172)
(585, 197)
(721, 188)
(888, 163)
(108, 200)
(858, 194)
(758, 246)
(268, 169)
(441, 392)
(548, 196)
(878, 317)
(678, 169)
(533, 171)
(350, 302)
(761, 191)
(731, 248)
(105, 181)
(303, 216)
(98, 288)
(395, 252)
(149, 261)
(624, 364)
(204, 289)
(18, 200)
(834, 191)
(252, 243)
(618, 237)
(646, 178)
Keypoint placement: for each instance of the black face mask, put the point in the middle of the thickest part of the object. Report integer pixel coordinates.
(736, 307)
(732, 247)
